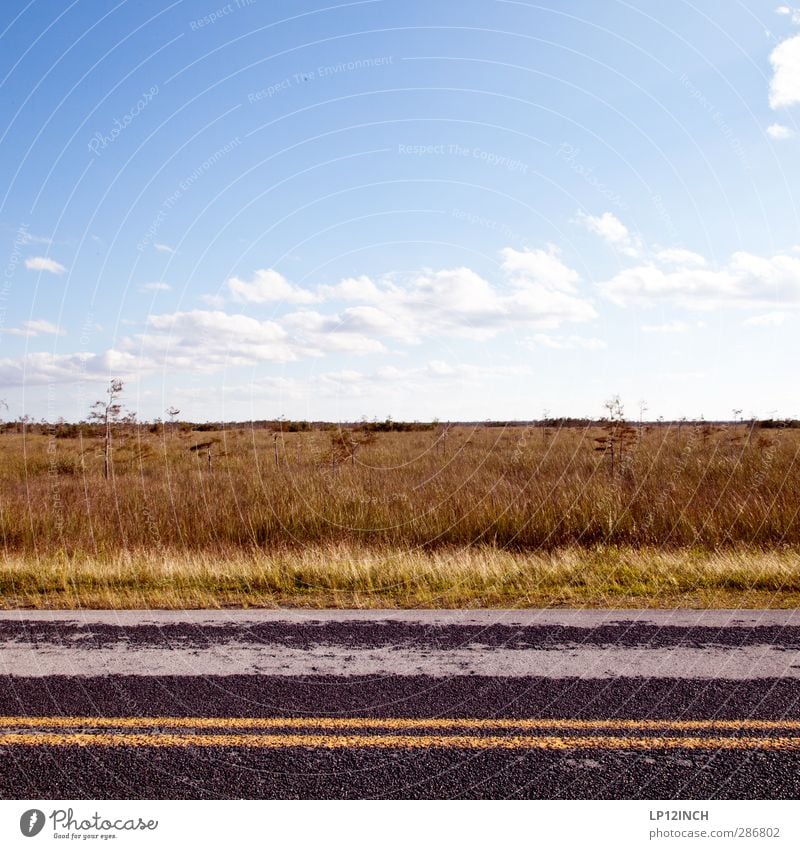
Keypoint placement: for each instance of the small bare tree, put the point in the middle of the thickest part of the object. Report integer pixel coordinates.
(442, 431)
(108, 413)
(173, 413)
(642, 410)
(545, 425)
(618, 433)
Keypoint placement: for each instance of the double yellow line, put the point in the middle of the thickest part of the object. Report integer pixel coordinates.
(338, 733)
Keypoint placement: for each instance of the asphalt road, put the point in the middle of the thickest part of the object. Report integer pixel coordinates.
(357, 704)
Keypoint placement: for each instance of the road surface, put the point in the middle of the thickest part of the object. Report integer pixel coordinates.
(400, 704)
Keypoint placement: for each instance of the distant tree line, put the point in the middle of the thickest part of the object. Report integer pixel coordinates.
(61, 429)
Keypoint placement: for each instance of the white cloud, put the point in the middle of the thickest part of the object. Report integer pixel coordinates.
(195, 341)
(204, 340)
(215, 301)
(789, 11)
(268, 286)
(439, 368)
(543, 294)
(770, 319)
(40, 325)
(369, 319)
(784, 89)
(745, 280)
(164, 249)
(317, 334)
(43, 263)
(452, 297)
(779, 132)
(684, 278)
(391, 381)
(610, 228)
(156, 287)
(36, 327)
(667, 327)
(32, 239)
(680, 256)
(265, 388)
(211, 340)
(565, 343)
(351, 289)
(45, 367)
(345, 376)
(539, 267)
(539, 292)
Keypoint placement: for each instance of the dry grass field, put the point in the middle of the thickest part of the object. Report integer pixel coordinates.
(476, 516)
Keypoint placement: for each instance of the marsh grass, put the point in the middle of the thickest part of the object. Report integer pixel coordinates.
(491, 516)
(338, 576)
(505, 487)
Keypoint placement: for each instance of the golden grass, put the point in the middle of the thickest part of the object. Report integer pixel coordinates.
(696, 515)
(339, 576)
(515, 488)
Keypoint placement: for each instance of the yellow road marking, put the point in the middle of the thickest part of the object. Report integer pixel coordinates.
(323, 741)
(398, 723)
(111, 731)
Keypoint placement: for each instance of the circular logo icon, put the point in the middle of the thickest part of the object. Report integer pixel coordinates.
(31, 822)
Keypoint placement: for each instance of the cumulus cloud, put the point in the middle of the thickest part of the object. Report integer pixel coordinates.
(565, 343)
(680, 256)
(196, 341)
(541, 267)
(36, 327)
(784, 89)
(43, 263)
(745, 280)
(613, 231)
(538, 291)
(205, 340)
(40, 325)
(44, 367)
(351, 289)
(779, 132)
(317, 334)
(543, 294)
(268, 286)
(686, 279)
(770, 319)
(215, 301)
(667, 327)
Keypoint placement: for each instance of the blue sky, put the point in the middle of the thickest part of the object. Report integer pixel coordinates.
(462, 210)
